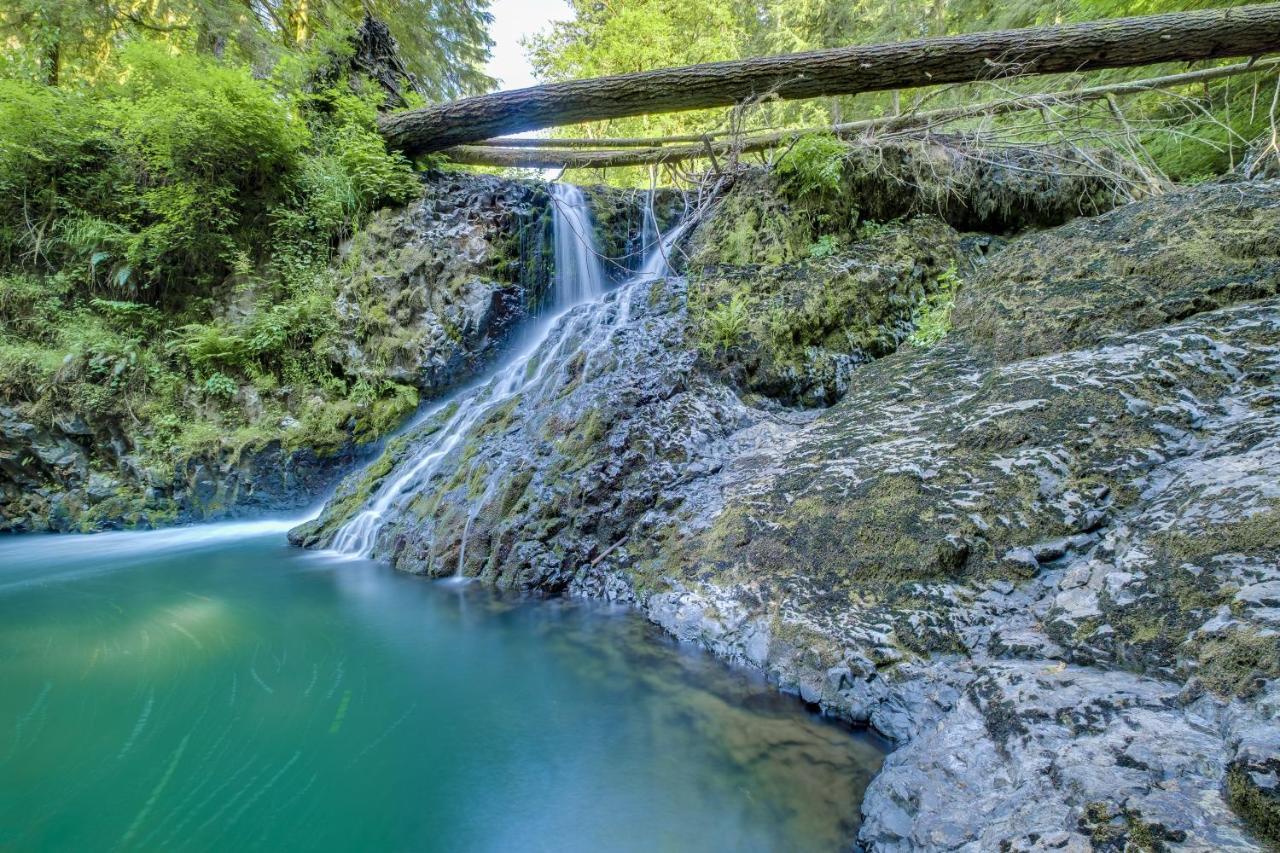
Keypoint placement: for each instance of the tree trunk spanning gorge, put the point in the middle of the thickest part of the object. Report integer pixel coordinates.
(548, 154)
(1118, 43)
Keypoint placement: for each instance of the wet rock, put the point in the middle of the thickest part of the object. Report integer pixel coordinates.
(430, 294)
(1000, 558)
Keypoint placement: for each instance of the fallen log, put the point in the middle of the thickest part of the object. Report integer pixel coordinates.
(1112, 43)
(908, 119)
(553, 157)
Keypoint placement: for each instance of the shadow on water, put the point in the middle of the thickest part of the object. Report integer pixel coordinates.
(243, 694)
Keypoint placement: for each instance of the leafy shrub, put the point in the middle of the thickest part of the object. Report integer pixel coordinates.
(932, 318)
(208, 344)
(727, 322)
(869, 229)
(221, 386)
(813, 166)
(824, 247)
(127, 205)
(128, 315)
(48, 143)
(31, 306)
(213, 151)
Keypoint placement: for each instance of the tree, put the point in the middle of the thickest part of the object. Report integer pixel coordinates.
(1213, 120)
(620, 38)
(444, 43)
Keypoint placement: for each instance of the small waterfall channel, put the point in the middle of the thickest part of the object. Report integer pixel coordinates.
(579, 323)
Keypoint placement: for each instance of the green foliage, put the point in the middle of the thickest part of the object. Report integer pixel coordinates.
(824, 247)
(149, 182)
(221, 386)
(134, 211)
(869, 229)
(727, 322)
(30, 306)
(443, 42)
(1192, 131)
(932, 318)
(124, 315)
(813, 167)
(175, 170)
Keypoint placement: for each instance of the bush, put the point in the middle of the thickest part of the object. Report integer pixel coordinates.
(49, 142)
(157, 184)
(31, 306)
(813, 166)
(824, 247)
(221, 386)
(727, 322)
(213, 152)
(133, 210)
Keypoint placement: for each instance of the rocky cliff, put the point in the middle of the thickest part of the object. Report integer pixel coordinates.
(421, 298)
(1038, 551)
(954, 451)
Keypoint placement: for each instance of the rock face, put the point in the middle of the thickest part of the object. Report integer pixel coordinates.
(792, 289)
(432, 290)
(428, 295)
(1042, 555)
(75, 476)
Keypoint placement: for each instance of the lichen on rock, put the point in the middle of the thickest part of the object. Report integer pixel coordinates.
(1044, 565)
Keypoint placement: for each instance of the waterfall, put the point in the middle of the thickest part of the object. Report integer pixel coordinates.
(579, 274)
(579, 324)
(649, 235)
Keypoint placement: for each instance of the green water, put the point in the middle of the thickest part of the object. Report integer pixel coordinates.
(215, 690)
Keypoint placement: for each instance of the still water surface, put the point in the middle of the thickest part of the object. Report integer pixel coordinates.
(211, 688)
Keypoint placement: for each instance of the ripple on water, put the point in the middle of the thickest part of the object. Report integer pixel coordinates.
(240, 693)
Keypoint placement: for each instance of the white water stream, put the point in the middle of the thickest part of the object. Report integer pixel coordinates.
(581, 321)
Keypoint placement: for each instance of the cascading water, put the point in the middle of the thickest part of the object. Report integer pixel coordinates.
(579, 274)
(579, 324)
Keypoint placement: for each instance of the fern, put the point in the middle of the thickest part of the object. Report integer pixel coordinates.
(727, 322)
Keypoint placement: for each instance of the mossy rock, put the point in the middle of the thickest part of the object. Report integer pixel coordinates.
(762, 220)
(1138, 267)
(801, 328)
(1257, 806)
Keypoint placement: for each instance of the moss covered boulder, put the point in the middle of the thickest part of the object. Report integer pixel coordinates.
(1134, 268)
(795, 332)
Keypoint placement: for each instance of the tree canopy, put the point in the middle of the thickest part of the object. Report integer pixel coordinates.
(444, 43)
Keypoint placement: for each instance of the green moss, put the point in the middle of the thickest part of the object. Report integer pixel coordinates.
(868, 548)
(1256, 533)
(1259, 809)
(513, 491)
(388, 412)
(580, 444)
(477, 481)
(791, 331)
(1239, 663)
(1143, 265)
(1112, 828)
